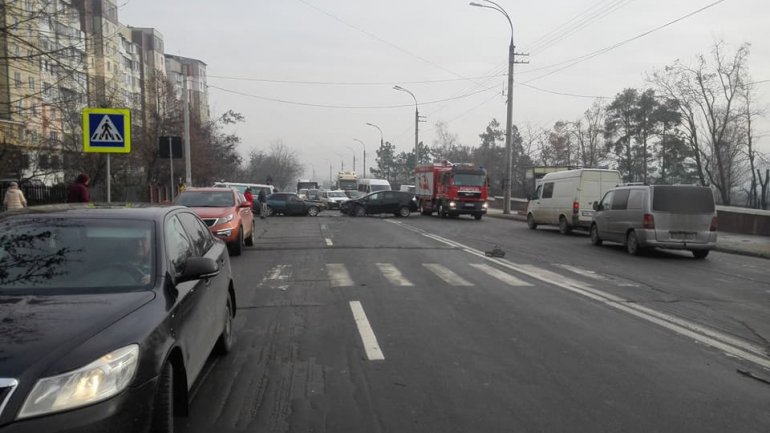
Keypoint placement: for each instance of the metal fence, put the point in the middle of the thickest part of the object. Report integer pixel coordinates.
(39, 194)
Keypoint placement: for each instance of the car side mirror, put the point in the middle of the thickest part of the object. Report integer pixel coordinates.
(196, 268)
(597, 206)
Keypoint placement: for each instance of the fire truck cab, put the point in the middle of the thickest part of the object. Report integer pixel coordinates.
(452, 189)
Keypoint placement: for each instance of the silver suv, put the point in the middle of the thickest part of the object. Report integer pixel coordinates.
(664, 216)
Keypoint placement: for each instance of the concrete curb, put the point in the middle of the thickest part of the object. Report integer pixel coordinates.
(720, 248)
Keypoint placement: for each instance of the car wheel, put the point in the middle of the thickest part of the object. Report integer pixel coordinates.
(632, 244)
(404, 212)
(312, 211)
(700, 254)
(237, 246)
(531, 222)
(360, 211)
(163, 412)
(225, 341)
(249, 240)
(564, 228)
(595, 239)
(478, 217)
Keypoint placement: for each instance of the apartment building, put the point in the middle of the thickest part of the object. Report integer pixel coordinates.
(42, 81)
(177, 68)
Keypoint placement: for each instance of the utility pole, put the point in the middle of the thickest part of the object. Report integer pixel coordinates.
(509, 114)
(186, 103)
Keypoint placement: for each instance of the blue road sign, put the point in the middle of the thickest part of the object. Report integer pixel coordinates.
(107, 130)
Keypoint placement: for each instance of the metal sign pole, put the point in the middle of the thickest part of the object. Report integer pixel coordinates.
(109, 182)
(171, 164)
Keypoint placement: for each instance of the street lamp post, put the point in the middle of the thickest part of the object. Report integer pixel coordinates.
(382, 141)
(362, 144)
(354, 156)
(509, 119)
(416, 125)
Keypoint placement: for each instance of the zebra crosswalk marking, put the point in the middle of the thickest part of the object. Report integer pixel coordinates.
(392, 274)
(500, 275)
(447, 275)
(339, 275)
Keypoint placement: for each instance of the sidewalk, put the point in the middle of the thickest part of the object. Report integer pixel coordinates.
(733, 243)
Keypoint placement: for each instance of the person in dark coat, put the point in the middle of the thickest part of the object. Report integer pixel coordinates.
(78, 190)
(262, 199)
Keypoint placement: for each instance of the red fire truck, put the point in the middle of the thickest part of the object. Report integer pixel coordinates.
(452, 189)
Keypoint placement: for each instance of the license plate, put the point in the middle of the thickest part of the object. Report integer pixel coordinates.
(469, 205)
(588, 213)
(682, 236)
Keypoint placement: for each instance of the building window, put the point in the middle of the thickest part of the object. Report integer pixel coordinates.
(19, 106)
(17, 79)
(46, 89)
(33, 108)
(54, 137)
(32, 83)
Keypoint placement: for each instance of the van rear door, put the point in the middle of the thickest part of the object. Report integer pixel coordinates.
(682, 213)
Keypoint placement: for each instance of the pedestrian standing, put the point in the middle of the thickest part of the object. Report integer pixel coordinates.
(78, 190)
(262, 203)
(14, 198)
(249, 197)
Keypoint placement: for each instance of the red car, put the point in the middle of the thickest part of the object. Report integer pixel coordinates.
(225, 211)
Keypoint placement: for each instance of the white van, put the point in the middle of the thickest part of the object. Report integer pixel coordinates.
(566, 198)
(371, 185)
(241, 187)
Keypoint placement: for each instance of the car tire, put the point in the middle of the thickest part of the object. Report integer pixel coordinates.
(360, 211)
(700, 254)
(478, 216)
(632, 244)
(163, 411)
(531, 222)
(249, 240)
(237, 246)
(225, 342)
(564, 228)
(595, 239)
(312, 211)
(404, 212)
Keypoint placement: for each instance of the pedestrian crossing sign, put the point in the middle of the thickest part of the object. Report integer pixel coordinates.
(107, 130)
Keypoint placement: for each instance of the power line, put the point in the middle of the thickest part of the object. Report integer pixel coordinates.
(580, 24)
(591, 55)
(386, 42)
(561, 93)
(350, 83)
(307, 104)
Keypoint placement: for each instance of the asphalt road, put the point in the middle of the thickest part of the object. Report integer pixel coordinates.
(403, 325)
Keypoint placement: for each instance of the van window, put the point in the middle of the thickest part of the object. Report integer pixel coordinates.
(548, 190)
(620, 201)
(682, 199)
(607, 200)
(635, 199)
(538, 191)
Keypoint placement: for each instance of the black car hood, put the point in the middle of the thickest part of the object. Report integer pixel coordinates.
(34, 330)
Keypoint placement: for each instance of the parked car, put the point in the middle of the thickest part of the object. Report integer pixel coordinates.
(663, 216)
(109, 315)
(566, 198)
(225, 211)
(333, 199)
(398, 203)
(288, 203)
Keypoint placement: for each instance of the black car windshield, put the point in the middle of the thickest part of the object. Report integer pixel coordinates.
(206, 199)
(379, 187)
(336, 195)
(469, 179)
(63, 253)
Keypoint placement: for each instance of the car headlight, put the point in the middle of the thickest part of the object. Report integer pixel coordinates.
(225, 219)
(97, 381)
(484, 205)
(452, 204)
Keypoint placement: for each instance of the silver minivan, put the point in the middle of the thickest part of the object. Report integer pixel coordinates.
(664, 216)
